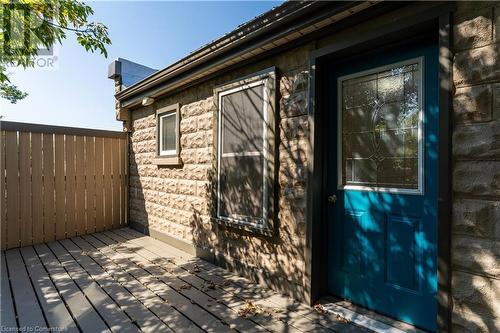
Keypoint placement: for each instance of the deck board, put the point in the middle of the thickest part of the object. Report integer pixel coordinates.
(114, 317)
(173, 278)
(7, 312)
(282, 318)
(84, 313)
(52, 305)
(179, 302)
(295, 313)
(217, 294)
(123, 281)
(144, 317)
(25, 300)
(174, 319)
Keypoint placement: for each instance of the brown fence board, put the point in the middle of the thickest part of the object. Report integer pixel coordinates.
(3, 203)
(80, 185)
(124, 181)
(70, 186)
(12, 188)
(115, 170)
(108, 189)
(25, 188)
(99, 184)
(90, 183)
(48, 188)
(37, 186)
(60, 187)
(56, 185)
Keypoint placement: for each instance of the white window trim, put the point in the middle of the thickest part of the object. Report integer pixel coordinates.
(161, 151)
(421, 162)
(265, 85)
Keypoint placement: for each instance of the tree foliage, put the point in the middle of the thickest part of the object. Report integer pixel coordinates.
(28, 25)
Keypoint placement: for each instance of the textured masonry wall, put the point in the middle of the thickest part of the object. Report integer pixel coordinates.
(176, 200)
(476, 174)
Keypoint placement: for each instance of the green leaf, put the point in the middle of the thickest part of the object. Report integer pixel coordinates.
(46, 23)
(11, 93)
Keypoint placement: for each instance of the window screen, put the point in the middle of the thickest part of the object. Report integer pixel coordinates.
(242, 121)
(241, 188)
(242, 154)
(380, 122)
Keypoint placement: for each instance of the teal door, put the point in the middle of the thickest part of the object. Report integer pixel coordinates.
(382, 182)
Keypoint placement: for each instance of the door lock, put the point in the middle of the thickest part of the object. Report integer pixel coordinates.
(332, 199)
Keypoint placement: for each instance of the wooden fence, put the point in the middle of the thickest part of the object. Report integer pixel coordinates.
(59, 182)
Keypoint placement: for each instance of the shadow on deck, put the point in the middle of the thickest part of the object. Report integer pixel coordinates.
(123, 281)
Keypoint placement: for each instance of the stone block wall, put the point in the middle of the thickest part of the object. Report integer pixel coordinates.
(177, 201)
(476, 170)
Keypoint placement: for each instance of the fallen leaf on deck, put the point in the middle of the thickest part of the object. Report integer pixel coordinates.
(208, 285)
(319, 308)
(342, 319)
(250, 309)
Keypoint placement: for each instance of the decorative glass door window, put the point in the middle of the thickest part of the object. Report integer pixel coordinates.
(380, 129)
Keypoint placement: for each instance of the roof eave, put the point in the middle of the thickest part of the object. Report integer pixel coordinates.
(131, 96)
(218, 45)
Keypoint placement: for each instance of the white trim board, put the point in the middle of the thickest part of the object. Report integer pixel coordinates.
(365, 320)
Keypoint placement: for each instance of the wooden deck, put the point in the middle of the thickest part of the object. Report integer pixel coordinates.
(123, 281)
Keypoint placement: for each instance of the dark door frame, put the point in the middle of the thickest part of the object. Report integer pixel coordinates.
(439, 21)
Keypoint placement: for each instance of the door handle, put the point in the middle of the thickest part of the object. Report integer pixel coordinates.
(332, 199)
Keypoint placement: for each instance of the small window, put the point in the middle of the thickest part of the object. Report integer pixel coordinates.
(167, 144)
(245, 152)
(168, 134)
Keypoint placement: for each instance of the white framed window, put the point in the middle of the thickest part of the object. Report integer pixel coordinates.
(168, 143)
(168, 140)
(380, 129)
(245, 152)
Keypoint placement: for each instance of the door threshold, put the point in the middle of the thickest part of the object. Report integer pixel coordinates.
(362, 317)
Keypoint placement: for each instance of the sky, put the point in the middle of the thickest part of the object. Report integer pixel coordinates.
(76, 92)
